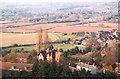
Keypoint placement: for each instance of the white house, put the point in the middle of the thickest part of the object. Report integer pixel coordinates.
(92, 68)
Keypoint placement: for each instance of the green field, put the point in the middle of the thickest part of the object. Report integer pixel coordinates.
(29, 48)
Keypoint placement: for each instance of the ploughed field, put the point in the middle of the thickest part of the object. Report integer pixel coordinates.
(58, 27)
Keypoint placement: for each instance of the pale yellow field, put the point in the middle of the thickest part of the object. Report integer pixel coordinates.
(8, 39)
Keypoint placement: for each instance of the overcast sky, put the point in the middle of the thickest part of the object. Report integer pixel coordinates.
(30, 1)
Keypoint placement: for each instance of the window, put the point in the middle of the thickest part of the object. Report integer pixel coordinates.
(27, 68)
(40, 59)
(14, 67)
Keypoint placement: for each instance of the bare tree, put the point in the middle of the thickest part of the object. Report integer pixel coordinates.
(39, 40)
(45, 39)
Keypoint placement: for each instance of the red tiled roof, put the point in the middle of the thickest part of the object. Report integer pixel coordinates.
(107, 68)
(22, 55)
(118, 65)
(5, 65)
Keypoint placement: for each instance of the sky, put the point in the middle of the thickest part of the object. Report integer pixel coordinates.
(30, 1)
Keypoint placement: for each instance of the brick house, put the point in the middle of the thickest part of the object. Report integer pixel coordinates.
(16, 66)
(22, 57)
(50, 56)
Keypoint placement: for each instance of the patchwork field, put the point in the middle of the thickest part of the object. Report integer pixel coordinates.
(28, 33)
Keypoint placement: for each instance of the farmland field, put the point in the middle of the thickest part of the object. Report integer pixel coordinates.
(29, 48)
(28, 35)
(63, 27)
(9, 39)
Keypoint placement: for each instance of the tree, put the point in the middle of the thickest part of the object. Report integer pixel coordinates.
(114, 66)
(73, 51)
(65, 54)
(35, 67)
(111, 75)
(44, 55)
(10, 57)
(88, 49)
(51, 47)
(15, 45)
(69, 39)
(54, 69)
(53, 55)
(61, 50)
(22, 50)
(76, 49)
(30, 58)
(33, 53)
(65, 73)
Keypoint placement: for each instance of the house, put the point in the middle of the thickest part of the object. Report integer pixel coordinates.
(65, 34)
(40, 57)
(49, 56)
(58, 54)
(85, 42)
(16, 66)
(22, 57)
(78, 40)
(107, 68)
(73, 69)
(87, 32)
(118, 67)
(103, 53)
(5, 65)
(89, 36)
(92, 68)
(21, 67)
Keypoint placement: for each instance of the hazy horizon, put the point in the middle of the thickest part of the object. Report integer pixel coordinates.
(40, 1)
